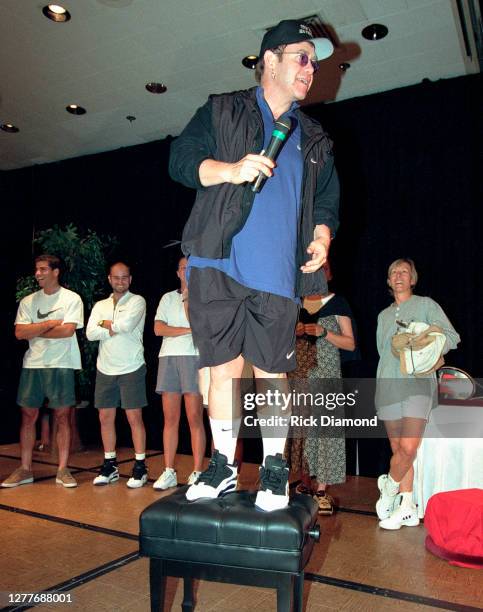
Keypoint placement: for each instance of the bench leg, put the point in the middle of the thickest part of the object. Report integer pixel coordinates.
(188, 604)
(298, 592)
(157, 584)
(284, 592)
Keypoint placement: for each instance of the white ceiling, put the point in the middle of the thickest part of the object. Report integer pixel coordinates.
(102, 58)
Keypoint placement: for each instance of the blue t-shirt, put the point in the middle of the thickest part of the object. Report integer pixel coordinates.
(263, 253)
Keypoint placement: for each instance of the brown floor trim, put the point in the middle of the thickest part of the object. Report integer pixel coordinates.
(355, 511)
(64, 521)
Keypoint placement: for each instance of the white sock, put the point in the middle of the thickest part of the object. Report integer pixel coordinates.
(167, 469)
(407, 499)
(225, 434)
(392, 486)
(140, 456)
(273, 445)
(110, 455)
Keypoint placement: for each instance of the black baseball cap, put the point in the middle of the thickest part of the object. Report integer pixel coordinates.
(293, 31)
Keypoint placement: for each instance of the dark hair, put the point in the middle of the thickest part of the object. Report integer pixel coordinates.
(55, 263)
(260, 67)
(120, 263)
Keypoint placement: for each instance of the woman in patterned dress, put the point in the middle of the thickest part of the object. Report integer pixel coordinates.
(324, 327)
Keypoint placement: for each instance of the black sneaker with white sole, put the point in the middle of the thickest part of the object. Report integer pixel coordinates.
(139, 475)
(217, 480)
(108, 473)
(273, 493)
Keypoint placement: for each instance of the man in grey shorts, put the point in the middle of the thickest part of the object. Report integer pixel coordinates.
(48, 319)
(178, 376)
(118, 323)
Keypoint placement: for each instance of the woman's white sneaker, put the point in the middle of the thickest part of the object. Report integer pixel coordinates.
(167, 480)
(193, 477)
(403, 516)
(385, 503)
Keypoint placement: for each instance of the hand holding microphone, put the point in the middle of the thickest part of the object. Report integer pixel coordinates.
(280, 132)
(250, 168)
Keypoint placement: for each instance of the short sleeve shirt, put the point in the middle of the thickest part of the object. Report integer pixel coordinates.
(52, 352)
(171, 311)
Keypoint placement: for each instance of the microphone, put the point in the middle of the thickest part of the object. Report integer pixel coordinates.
(281, 128)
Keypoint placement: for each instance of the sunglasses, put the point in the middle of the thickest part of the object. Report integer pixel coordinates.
(303, 59)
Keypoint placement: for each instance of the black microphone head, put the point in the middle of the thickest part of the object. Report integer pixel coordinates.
(283, 124)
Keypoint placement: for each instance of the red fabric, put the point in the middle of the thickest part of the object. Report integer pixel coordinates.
(454, 521)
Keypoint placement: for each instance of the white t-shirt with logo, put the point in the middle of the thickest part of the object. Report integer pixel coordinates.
(171, 311)
(52, 352)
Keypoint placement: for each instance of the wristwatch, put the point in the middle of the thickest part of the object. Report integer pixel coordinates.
(101, 323)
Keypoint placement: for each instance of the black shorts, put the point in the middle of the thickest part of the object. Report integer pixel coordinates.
(228, 320)
(125, 390)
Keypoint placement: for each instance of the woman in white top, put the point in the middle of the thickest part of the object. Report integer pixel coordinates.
(177, 378)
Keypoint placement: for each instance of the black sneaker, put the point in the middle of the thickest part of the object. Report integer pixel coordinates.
(217, 480)
(108, 473)
(139, 475)
(273, 493)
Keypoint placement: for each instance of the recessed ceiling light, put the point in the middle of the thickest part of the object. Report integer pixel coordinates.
(250, 61)
(156, 88)
(55, 12)
(8, 127)
(344, 66)
(375, 31)
(75, 109)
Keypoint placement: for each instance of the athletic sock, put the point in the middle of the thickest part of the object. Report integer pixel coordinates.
(110, 456)
(392, 486)
(272, 446)
(225, 434)
(140, 456)
(407, 499)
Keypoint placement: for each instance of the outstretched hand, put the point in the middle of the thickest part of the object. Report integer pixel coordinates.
(319, 250)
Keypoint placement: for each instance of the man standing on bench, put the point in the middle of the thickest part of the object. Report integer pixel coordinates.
(252, 254)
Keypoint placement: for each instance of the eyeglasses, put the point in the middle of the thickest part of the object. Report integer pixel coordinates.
(303, 59)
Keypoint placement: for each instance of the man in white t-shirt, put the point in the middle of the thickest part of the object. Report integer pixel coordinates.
(178, 377)
(118, 323)
(48, 319)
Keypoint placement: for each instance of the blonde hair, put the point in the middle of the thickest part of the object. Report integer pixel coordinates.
(412, 268)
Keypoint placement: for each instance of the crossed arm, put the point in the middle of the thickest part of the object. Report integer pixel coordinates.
(163, 329)
(53, 329)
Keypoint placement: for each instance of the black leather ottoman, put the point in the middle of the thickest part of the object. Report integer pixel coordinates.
(228, 540)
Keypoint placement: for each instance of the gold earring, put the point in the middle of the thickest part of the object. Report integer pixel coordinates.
(273, 74)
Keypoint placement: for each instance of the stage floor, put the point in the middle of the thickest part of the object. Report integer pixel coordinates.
(83, 542)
